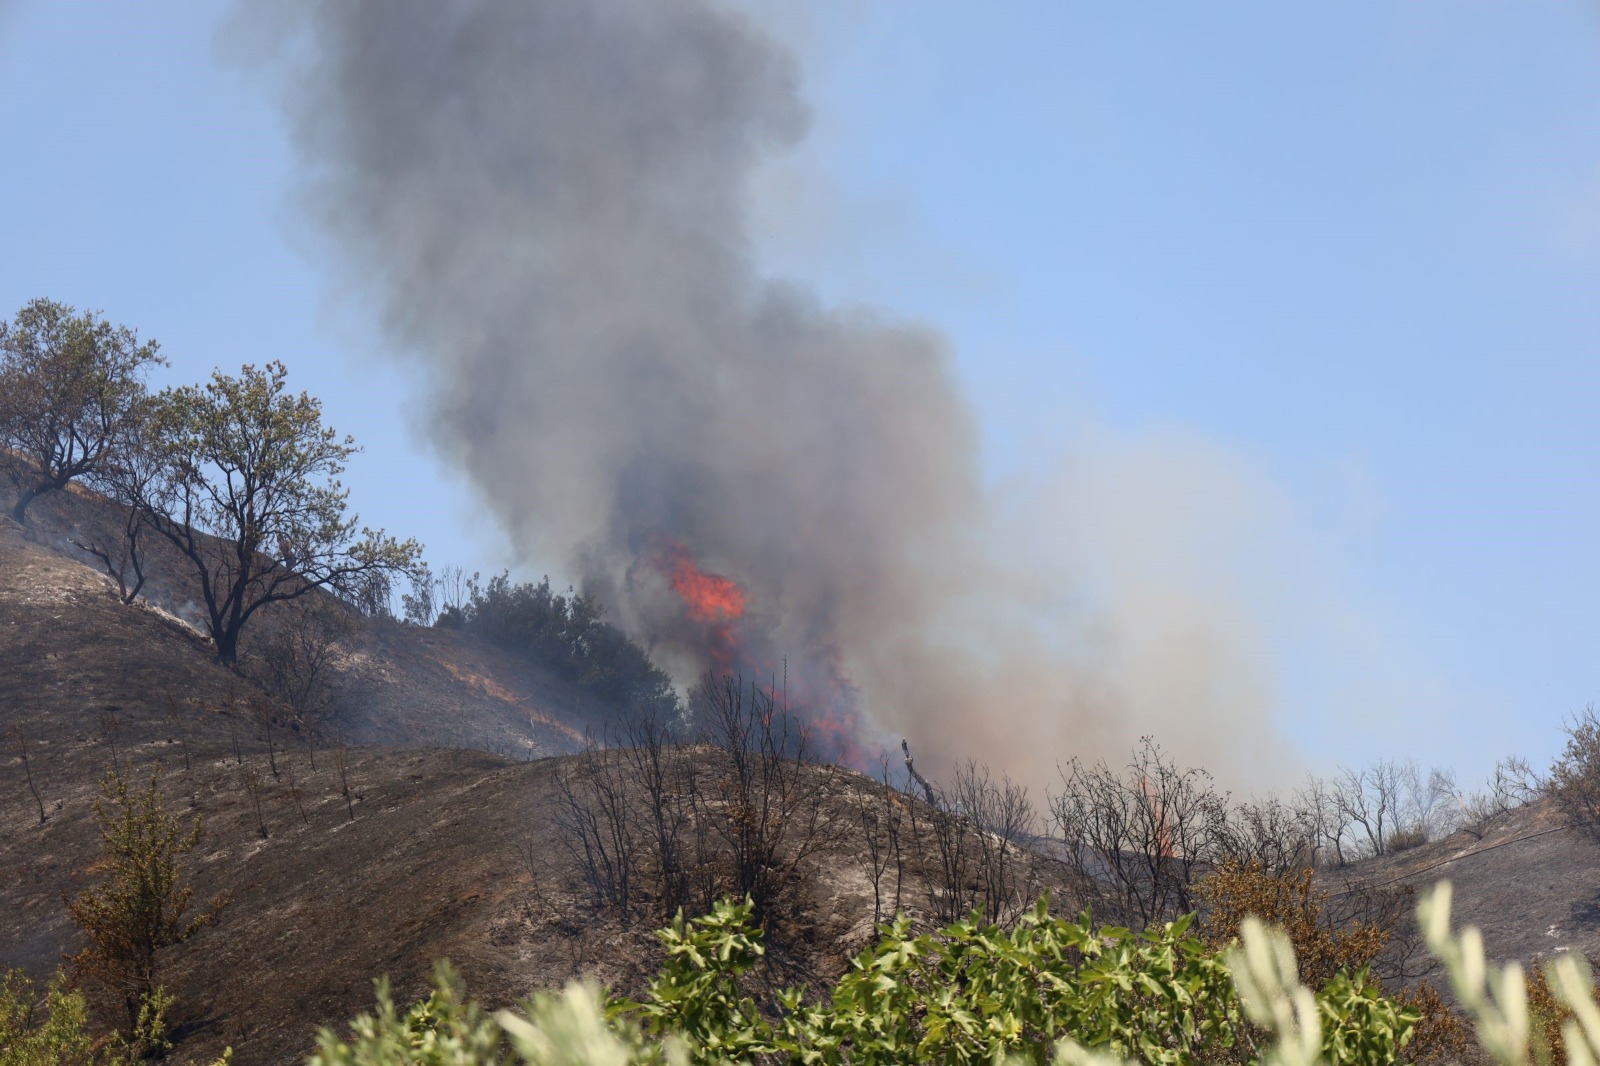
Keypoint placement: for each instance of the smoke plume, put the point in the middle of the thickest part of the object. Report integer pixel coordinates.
(548, 202)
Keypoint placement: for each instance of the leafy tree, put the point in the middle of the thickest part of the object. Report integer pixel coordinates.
(67, 382)
(141, 906)
(248, 492)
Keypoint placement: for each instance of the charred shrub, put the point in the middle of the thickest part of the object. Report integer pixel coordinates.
(1138, 838)
(1575, 776)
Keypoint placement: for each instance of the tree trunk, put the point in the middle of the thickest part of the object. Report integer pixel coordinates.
(24, 497)
(227, 641)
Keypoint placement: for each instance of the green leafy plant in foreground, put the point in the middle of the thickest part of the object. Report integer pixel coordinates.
(47, 1030)
(1049, 989)
(50, 1027)
(976, 993)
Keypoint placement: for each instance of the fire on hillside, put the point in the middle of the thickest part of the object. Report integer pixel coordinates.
(815, 689)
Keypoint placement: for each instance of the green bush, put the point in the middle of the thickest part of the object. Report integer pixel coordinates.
(567, 635)
(44, 1030)
(50, 1027)
(972, 993)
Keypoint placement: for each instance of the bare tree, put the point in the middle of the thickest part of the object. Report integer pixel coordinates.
(1001, 818)
(1138, 839)
(1429, 806)
(1276, 836)
(341, 765)
(19, 741)
(768, 803)
(911, 772)
(650, 747)
(594, 820)
(953, 890)
(1387, 907)
(1512, 784)
(294, 663)
(705, 861)
(111, 728)
(371, 593)
(453, 588)
(1369, 801)
(1574, 779)
(881, 813)
(233, 737)
(1327, 824)
(978, 831)
(296, 793)
(265, 716)
(251, 780)
(419, 604)
(119, 558)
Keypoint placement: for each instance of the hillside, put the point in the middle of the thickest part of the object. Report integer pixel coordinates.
(450, 854)
(441, 852)
(398, 684)
(1528, 882)
(450, 844)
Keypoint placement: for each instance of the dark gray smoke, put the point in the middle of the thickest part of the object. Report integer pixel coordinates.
(547, 198)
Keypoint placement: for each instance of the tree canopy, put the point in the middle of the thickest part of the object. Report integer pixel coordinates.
(248, 492)
(68, 381)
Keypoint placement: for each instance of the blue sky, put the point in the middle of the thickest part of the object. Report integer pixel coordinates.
(1309, 291)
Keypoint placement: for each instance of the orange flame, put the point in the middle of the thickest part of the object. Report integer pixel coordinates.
(824, 696)
(708, 597)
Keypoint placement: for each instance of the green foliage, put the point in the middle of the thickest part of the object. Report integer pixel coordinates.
(141, 905)
(697, 998)
(150, 1038)
(249, 493)
(975, 993)
(1049, 990)
(445, 1029)
(1359, 1023)
(566, 634)
(52, 1030)
(68, 381)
